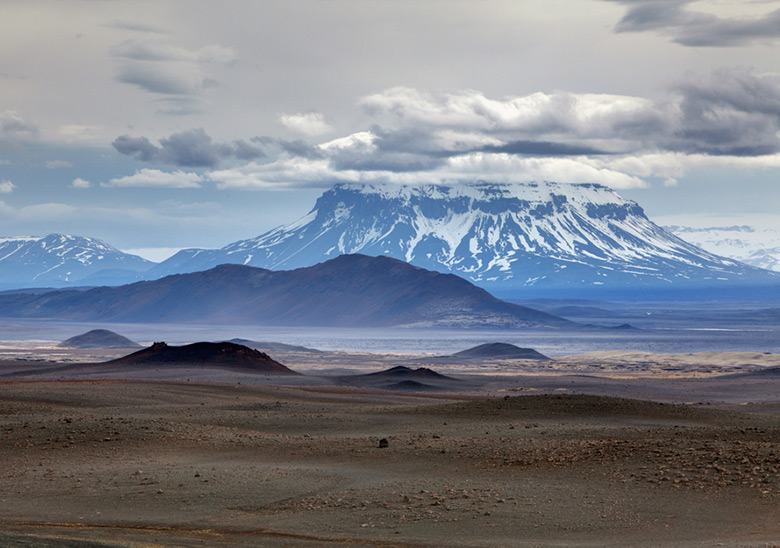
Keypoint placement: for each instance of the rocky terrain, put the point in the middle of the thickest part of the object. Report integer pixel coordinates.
(156, 463)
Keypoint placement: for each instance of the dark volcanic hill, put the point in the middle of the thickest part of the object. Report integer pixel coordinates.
(402, 372)
(404, 378)
(99, 338)
(348, 291)
(223, 355)
(501, 351)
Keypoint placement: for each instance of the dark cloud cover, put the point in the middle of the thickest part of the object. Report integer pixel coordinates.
(192, 148)
(693, 28)
(14, 128)
(299, 147)
(729, 112)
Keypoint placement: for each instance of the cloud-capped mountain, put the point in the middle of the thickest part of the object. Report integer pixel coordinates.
(59, 260)
(759, 247)
(503, 237)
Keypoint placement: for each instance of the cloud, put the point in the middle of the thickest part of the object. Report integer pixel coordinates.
(155, 65)
(289, 172)
(308, 123)
(729, 112)
(191, 148)
(58, 164)
(619, 141)
(6, 187)
(153, 178)
(689, 27)
(14, 128)
(80, 183)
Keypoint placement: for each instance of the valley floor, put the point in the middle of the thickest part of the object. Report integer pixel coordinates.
(170, 463)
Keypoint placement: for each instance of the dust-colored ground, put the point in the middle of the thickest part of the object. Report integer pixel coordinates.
(167, 463)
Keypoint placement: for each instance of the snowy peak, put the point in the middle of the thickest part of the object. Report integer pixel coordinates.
(753, 245)
(60, 259)
(500, 236)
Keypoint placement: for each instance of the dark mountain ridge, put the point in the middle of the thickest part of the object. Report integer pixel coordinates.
(348, 291)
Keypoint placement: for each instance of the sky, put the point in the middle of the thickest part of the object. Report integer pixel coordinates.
(157, 125)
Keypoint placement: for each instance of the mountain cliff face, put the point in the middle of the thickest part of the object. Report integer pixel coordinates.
(58, 260)
(499, 236)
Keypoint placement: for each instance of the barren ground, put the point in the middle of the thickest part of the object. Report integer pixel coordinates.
(170, 463)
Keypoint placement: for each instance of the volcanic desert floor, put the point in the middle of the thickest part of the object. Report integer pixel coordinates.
(176, 463)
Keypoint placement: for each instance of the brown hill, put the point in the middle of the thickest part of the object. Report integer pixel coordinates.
(223, 355)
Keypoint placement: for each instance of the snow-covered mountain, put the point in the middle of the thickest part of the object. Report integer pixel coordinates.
(500, 236)
(756, 246)
(60, 260)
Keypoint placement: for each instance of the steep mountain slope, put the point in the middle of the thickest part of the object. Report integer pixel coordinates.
(57, 260)
(500, 236)
(349, 291)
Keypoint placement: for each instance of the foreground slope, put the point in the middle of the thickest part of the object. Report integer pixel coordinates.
(349, 291)
(196, 464)
(499, 236)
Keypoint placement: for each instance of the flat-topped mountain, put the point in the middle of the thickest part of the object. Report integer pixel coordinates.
(504, 237)
(204, 354)
(348, 291)
(99, 338)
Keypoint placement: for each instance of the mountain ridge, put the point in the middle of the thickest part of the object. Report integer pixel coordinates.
(348, 291)
(499, 236)
(61, 260)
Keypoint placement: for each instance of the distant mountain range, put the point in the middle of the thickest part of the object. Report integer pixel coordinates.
(507, 238)
(59, 260)
(759, 247)
(512, 239)
(348, 291)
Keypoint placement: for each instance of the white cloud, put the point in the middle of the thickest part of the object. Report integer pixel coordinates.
(308, 123)
(80, 133)
(153, 178)
(6, 211)
(80, 183)
(6, 187)
(58, 164)
(46, 212)
(293, 172)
